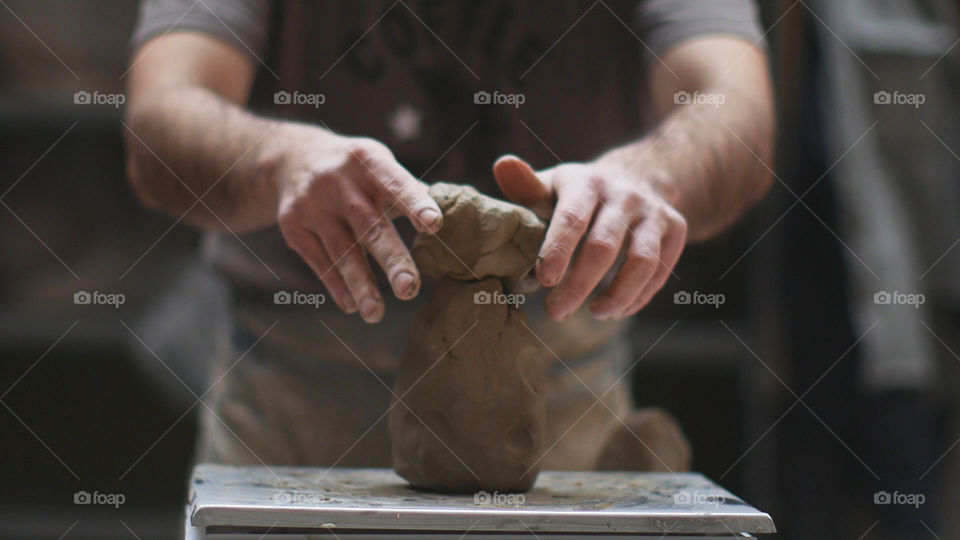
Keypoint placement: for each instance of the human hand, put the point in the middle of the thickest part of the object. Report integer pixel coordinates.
(605, 209)
(337, 196)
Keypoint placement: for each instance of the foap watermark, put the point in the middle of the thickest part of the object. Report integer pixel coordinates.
(896, 97)
(684, 298)
(97, 298)
(696, 498)
(298, 498)
(897, 298)
(297, 298)
(498, 98)
(496, 498)
(106, 499)
(907, 499)
(83, 97)
(697, 98)
(283, 97)
(497, 297)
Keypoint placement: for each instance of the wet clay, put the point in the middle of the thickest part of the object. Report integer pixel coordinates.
(481, 237)
(471, 410)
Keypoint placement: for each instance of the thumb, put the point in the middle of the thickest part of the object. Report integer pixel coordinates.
(521, 185)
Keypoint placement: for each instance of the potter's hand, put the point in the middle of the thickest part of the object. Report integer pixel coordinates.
(337, 197)
(606, 210)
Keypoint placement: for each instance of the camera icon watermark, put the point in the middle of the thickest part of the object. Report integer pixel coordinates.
(884, 97)
(107, 499)
(483, 498)
(497, 297)
(83, 97)
(297, 298)
(282, 97)
(897, 298)
(697, 98)
(497, 98)
(684, 298)
(84, 298)
(696, 498)
(908, 499)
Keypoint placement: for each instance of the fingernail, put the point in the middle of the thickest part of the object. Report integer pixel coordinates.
(405, 283)
(548, 274)
(349, 304)
(368, 307)
(429, 218)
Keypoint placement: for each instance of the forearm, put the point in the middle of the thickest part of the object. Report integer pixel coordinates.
(194, 154)
(707, 160)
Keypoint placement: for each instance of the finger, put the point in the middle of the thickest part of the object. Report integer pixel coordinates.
(521, 184)
(598, 253)
(671, 249)
(641, 264)
(399, 186)
(350, 260)
(311, 250)
(378, 235)
(576, 201)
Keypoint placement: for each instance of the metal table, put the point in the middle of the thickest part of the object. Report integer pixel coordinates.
(228, 502)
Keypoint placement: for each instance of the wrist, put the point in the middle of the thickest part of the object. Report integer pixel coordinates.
(270, 159)
(646, 169)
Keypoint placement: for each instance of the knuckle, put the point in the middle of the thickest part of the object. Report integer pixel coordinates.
(603, 245)
(559, 249)
(397, 259)
(633, 200)
(643, 257)
(321, 175)
(641, 251)
(572, 218)
(391, 183)
(640, 268)
(597, 183)
(373, 228)
(321, 184)
(365, 150)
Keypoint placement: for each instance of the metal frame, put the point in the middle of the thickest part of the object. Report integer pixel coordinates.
(244, 502)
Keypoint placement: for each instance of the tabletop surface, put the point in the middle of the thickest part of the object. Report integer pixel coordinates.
(560, 502)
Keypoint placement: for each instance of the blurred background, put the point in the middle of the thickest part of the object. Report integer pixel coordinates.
(821, 390)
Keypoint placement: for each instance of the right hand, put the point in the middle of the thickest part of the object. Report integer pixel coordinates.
(337, 197)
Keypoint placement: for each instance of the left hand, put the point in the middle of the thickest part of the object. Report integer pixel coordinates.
(623, 211)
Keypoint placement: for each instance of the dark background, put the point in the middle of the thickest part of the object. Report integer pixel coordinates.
(87, 407)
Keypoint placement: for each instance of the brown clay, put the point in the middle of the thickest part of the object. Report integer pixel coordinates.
(471, 410)
(471, 385)
(646, 440)
(481, 236)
